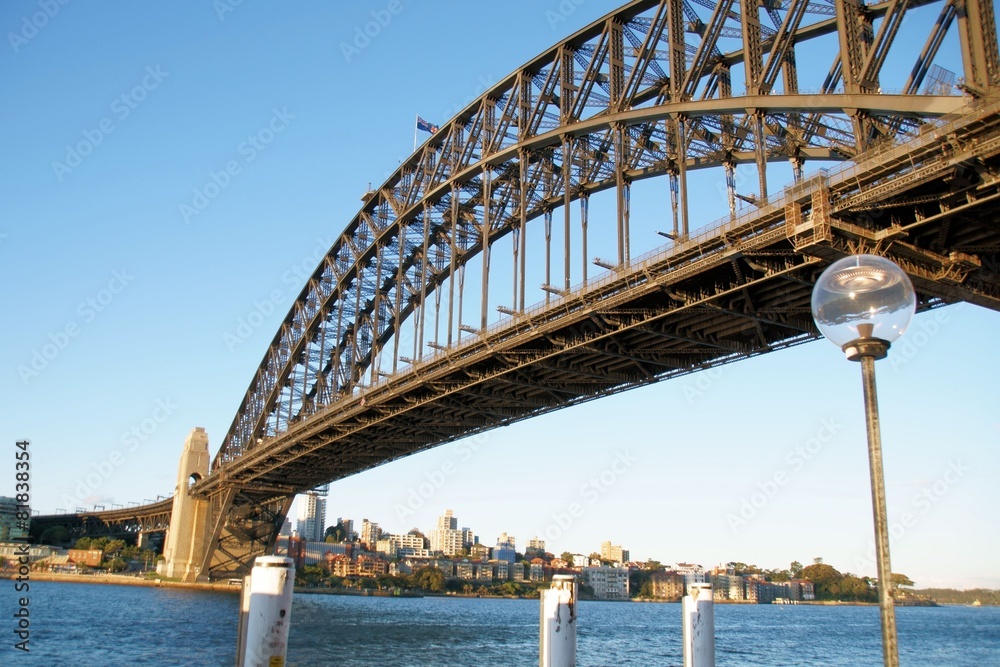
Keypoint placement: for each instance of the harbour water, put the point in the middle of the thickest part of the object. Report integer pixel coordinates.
(121, 625)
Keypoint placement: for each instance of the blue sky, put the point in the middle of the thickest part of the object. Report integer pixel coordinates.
(131, 290)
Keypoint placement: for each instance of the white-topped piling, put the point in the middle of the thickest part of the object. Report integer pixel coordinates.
(698, 619)
(266, 613)
(557, 631)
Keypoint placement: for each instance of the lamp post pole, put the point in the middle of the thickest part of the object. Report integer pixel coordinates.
(867, 353)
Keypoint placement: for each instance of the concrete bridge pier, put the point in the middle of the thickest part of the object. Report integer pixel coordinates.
(187, 537)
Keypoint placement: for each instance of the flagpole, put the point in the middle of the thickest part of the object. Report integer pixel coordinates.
(415, 117)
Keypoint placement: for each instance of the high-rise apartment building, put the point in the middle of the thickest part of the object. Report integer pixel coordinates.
(469, 539)
(348, 524)
(614, 553)
(10, 527)
(447, 538)
(505, 549)
(370, 532)
(311, 523)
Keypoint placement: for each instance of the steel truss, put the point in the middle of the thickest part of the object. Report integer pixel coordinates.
(647, 91)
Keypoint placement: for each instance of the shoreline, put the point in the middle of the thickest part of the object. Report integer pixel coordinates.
(123, 580)
(131, 580)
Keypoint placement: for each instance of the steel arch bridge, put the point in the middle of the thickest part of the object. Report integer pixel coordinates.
(360, 371)
(128, 522)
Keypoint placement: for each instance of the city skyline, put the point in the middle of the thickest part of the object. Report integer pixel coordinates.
(139, 308)
(606, 550)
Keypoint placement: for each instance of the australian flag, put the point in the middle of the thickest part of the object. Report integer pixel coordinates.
(425, 126)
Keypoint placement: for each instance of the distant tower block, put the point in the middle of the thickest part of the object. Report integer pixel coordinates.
(187, 537)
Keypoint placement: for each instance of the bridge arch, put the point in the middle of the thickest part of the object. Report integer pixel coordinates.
(644, 92)
(657, 89)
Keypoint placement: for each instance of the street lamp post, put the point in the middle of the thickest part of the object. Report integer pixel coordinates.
(862, 304)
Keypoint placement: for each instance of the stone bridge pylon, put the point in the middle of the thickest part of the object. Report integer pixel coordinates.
(188, 536)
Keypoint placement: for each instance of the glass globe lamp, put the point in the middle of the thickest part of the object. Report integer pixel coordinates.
(862, 304)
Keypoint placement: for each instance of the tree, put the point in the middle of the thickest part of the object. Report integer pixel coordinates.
(832, 585)
(743, 568)
(116, 564)
(82, 543)
(854, 588)
(899, 580)
(510, 588)
(777, 575)
(54, 535)
(338, 533)
(796, 569)
(825, 579)
(428, 578)
(567, 556)
(113, 547)
(98, 542)
(639, 583)
(146, 556)
(310, 575)
(653, 565)
(817, 561)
